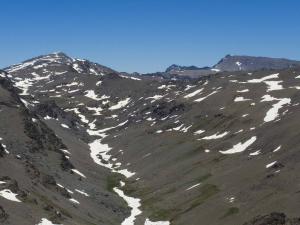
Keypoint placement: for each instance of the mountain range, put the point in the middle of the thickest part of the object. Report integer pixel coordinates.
(234, 63)
(83, 144)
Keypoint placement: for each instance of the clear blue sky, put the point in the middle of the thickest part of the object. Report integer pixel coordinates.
(149, 35)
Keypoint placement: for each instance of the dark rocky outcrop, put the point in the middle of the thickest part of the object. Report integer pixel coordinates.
(274, 218)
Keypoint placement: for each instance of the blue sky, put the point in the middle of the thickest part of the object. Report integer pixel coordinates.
(149, 35)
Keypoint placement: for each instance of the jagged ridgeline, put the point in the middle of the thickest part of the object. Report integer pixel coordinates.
(83, 144)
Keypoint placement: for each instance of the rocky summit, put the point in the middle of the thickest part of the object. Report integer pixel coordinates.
(82, 144)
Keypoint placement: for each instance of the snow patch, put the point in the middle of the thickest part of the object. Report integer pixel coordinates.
(45, 221)
(240, 147)
(215, 136)
(9, 195)
(120, 104)
(272, 114)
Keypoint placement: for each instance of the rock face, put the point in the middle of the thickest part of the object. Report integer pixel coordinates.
(82, 144)
(274, 219)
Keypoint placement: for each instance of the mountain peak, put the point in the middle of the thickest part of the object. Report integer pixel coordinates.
(62, 60)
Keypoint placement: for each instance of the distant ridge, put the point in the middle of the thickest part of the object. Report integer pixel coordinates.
(234, 63)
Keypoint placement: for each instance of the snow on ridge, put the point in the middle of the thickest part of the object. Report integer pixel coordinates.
(44, 60)
(20, 66)
(129, 77)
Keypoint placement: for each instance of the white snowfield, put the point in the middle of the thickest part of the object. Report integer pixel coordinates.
(215, 136)
(65, 126)
(271, 164)
(241, 99)
(77, 68)
(74, 201)
(193, 93)
(243, 91)
(269, 77)
(81, 116)
(4, 146)
(274, 85)
(239, 64)
(277, 149)
(272, 114)
(133, 203)
(97, 110)
(129, 77)
(199, 132)
(45, 221)
(68, 190)
(120, 104)
(240, 147)
(203, 98)
(155, 98)
(255, 153)
(91, 94)
(148, 222)
(78, 172)
(193, 186)
(82, 192)
(9, 195)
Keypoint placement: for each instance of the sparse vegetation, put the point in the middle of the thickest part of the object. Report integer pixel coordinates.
(112, 181)
(231, 211)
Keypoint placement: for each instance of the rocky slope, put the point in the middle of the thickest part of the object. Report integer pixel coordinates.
(84, 144)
